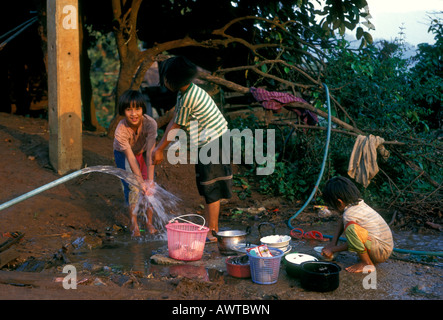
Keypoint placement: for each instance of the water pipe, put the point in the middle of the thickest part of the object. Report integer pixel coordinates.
(422, 253)
(41, 189)
(325, 157)
(417, 252)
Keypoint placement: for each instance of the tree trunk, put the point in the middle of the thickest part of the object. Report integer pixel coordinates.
(90, 121)
(126, 74)
(126, 39)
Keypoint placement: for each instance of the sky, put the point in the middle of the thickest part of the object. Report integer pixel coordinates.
(389, 15)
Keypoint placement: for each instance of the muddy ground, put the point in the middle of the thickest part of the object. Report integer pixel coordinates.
(91, 206)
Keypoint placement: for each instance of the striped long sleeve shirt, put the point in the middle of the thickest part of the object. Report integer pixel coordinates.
(198, 113)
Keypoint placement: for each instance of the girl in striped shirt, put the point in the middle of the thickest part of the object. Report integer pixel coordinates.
(367, 233)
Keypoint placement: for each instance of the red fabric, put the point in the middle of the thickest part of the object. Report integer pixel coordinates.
(142, 164)
(277, 100)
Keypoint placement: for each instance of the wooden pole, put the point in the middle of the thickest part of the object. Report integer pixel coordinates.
(65, 116)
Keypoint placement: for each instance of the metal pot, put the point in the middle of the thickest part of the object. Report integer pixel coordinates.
(293, 262)
(228, 239)
(319, 276)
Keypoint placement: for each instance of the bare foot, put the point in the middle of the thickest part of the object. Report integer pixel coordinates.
(151, 229)
(359, 267)
(135, 232)
(210, 237)
(134, 226)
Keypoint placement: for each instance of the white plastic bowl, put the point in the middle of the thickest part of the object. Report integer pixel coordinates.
(276, 241)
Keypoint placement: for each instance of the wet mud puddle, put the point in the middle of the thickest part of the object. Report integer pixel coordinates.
(421, 242)
(126, 254)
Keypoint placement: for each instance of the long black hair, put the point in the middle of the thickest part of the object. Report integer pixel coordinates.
(340, 188)
(131, 98)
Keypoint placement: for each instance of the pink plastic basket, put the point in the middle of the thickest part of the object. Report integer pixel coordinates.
(186, 241)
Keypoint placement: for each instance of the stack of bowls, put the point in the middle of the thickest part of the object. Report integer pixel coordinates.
(277, 242)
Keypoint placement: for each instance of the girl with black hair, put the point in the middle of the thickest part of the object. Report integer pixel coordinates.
(367, 233)
(134, 140)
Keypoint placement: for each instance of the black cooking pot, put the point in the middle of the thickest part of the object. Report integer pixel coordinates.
(321, 276)
(293, 263)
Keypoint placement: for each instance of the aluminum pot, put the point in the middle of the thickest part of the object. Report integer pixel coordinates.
(321, 276)
(227, 240)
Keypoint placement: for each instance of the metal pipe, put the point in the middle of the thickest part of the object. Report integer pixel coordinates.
(41, 189)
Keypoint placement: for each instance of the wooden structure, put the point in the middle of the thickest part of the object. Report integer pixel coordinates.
(64, 93)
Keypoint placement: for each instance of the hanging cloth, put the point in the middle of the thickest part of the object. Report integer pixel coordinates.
(273, 100)
(363, 161)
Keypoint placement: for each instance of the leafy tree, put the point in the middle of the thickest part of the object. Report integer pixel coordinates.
(399, 99)
(251, 28)
(427, 76)
(104, 74)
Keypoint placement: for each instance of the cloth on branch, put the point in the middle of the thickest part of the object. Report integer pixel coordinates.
(363, 161)
(273, 100)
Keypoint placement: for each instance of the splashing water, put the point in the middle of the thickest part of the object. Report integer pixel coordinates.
(160, 201)
(129, 177)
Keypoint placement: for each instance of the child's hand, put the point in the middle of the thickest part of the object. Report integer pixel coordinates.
(157, 156)
(327, 252)
(148, 188)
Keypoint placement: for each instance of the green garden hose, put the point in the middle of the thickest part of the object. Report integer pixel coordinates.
(325, 157)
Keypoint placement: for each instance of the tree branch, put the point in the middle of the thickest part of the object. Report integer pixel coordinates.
(256, 69)
(238, 88)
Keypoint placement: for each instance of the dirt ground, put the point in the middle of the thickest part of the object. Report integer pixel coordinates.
(91, 206)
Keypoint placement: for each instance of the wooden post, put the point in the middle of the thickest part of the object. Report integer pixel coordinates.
(65, 116)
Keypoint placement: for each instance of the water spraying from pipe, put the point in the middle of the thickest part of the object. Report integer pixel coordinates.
(159, 199)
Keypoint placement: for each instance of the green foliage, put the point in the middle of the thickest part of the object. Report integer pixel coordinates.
(346, 14)
(297, 165)
(104, 74)
(426, 76)
(385, 94)
(401, 100)
(243, 189)
(285, 181)
(372, 82)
